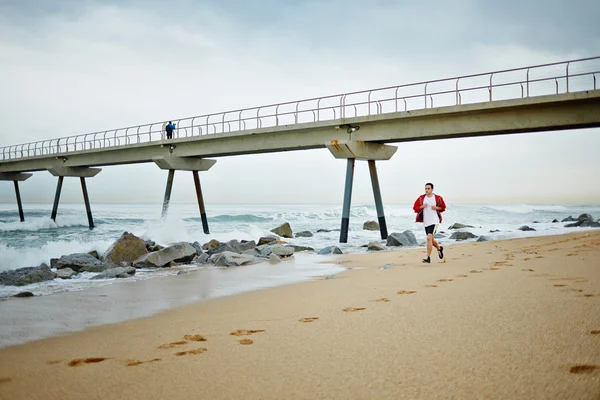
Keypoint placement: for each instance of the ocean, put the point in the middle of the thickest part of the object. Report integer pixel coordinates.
(38, 239)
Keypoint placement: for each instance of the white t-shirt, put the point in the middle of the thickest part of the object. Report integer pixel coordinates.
(430, 217)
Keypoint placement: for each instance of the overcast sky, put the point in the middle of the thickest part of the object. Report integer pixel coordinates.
(69, 67)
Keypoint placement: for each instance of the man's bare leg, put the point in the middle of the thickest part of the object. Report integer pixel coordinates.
(431, 243)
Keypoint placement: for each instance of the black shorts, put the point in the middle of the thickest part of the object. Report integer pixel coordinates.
(431, 229)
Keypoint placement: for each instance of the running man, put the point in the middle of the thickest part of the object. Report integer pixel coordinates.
(429, 208)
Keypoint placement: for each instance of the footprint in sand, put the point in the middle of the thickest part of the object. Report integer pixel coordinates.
(494, 268)
(194, 351)
(444, 280)
(539, 256)
(406, 291)
(576, 290)
(528, 269)
(353, 309)
(54, 362)
(584, 369)
(475, 271)
(135, 363)
(5, 380)
(589, 295)
(431, 285)
(195, 338)
(90, 360)
(246, 341)
(383, 300)
(245, 332)
(167, 346)
(595, 332)
(308, 319)
(462, 276)
(559, 285)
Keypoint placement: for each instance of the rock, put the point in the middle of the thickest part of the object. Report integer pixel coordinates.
(283, 230)
(230, 259)
(53, 262)
(221, 248)
(179, 253)
(585, 217)
(330, 250)
(482, 239)
(569, 219)
(590, 224)
(198, 247)
(94, 254)
(301, 248)
(573, 225)
(273, 259)
(494, 230)
(201, 259)
(526, 228)
(282, 251)
(81, 262)
(554, 220)
(65, 273)
(149, 244)
(243, 246)
(462, 235)
(439, 236)
(406, 238)
(265, 250)
(23, 294)
(156, 247)
(127, 248)
(181, 272)
(460, 226)
(26, 276)
(210, 245)
(375, 246)
(266, 240)
(304, 234)
(371, 226)
(119, 272)
(323, 230)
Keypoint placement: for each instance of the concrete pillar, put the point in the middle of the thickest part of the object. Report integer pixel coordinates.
(357, 150)
(16, 177)
(200, 202)
(193, 164)
(167, 200)
(347, 200)
(78, 172)
(57, 198)
(378, 202)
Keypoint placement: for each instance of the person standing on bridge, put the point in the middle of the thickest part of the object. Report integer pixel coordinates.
(169, 129)
(429, 208)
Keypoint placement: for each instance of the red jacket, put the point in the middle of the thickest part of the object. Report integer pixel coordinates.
(439, 202)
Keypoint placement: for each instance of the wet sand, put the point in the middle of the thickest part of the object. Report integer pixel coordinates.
(506, 319)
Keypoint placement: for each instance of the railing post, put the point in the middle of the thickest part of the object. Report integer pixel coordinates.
(527, 84)
(426, 94)
(568, 77)
(491, 85)
(457, 103)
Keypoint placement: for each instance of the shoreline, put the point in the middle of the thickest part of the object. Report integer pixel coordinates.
(502, 319)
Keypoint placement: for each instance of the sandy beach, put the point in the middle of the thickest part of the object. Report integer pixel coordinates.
(511, 319)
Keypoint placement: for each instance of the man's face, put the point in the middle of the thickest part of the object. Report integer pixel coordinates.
(428, 190)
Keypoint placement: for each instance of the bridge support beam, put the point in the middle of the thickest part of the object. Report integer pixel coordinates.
(16, 177)
(81, 173)
(358, 150)
(185, 164)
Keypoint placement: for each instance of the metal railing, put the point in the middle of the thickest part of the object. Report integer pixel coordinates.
(543, 79)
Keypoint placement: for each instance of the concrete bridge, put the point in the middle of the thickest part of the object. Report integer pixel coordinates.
(353, 126)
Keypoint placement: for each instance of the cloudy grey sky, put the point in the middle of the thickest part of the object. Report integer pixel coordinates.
(70, 67)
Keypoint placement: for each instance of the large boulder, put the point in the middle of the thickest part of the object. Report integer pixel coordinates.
(371, 226)
(330, 250)
(26, 276)
(179, 253)
(375, 246)
(462, 235)
(119, 272)
(282, 251)
(406, 238)
(127, 248)
(526, 228)
(211, 245)
(590, 224)
(304, 234)
(283, 230)
(266, 240)
(231, 259)
(459, 226)
(482, 239)
(221, 248)
(81, 262)
(65, 273)
(244, 245)
(301, 248)
(568, 219)
(585, 217)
